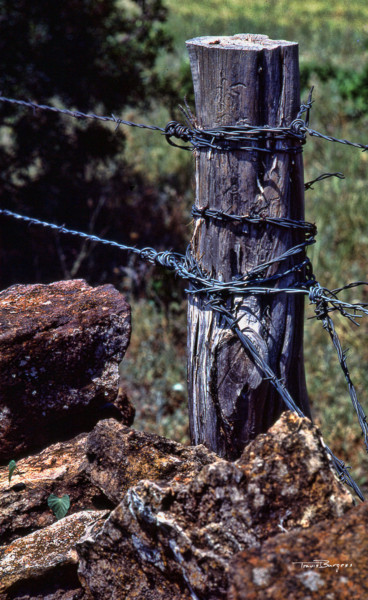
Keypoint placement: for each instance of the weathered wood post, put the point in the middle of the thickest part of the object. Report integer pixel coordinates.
(244, 79)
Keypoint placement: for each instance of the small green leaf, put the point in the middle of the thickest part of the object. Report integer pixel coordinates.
(59, 506)
(12, 467)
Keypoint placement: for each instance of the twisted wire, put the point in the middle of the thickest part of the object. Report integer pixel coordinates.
(226, 138)
(268, 373)
(259, 139)
(187, 268)
(308, 184)
(77, 114)
(322, 311)
(219, 215)
(244, 137)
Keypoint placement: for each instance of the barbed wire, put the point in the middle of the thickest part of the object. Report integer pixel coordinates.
(322, 314)
(256, 281)
(219, 215)
(308, 184)
(239, 137)
(77, 114)
(187, 268)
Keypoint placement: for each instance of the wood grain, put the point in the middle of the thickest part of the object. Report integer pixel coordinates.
(238, 80)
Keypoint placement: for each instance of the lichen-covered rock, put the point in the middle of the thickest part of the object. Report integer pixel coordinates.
(120, 457)
(30, 566)
(328, 560)
(60, 469)
(175, 539)
(291, 480)
(60, 345)
(128, 561)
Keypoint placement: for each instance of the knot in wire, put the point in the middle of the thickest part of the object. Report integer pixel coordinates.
(316, 294)
(298, 127)
(178, 130)
(169, 260)
(148, 254)
(317, 297)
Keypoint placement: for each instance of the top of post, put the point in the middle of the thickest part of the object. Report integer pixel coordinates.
(240, 41)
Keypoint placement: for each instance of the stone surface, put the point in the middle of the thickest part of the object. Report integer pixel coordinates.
(327, 560)
(120, 457)
(180, 523)
(60, 469)
(175, 539)
(291, 480)
(60, 345)
(29, 566)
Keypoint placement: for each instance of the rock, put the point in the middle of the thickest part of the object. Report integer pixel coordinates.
(44, 563)
(132, 564)
(175, 539)
(120, 457)
(292, 482)
(60, 345)
(60, 469)
(328, 560)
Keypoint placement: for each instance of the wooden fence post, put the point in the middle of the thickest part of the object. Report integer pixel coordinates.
(244, 79)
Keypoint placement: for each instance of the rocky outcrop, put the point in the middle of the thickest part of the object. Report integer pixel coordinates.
(95, 471)
(327, 560)
(149, 518)
(175, 539)
(120, 457)
(177, 523)
(60, 345)
(291, 481)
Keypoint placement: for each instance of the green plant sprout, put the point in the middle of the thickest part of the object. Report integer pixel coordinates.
(59, 506)
(12, 467)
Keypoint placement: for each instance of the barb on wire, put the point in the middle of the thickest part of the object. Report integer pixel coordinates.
(186, 267)
(305, 108)
(322, 309)
(308, 184)
(327, 301)
(245, 137)
(77, 114)
(343, 472)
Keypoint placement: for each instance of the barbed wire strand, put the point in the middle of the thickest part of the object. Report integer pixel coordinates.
(250, 138)
(186, 267)
(308, 184)
(77, 114)
(218, 138)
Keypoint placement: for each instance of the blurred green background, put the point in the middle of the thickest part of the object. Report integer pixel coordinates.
(333, 47)
(157, 181)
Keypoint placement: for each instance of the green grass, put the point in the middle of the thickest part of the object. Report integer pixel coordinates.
(321, 18)
(155, 369)
(324, 30)
(328, 34)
